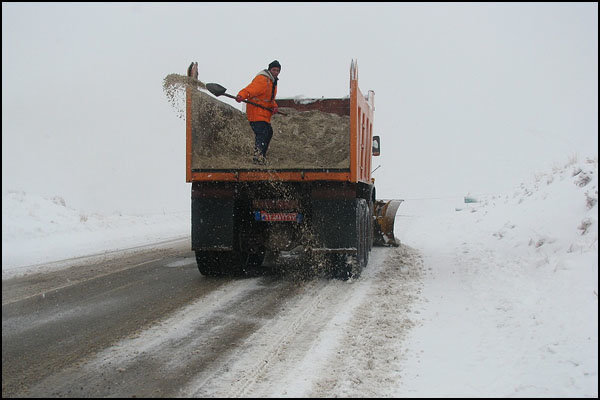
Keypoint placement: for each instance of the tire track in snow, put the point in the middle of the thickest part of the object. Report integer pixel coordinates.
(367, 362)
(267, 353)
(306, 341)
(257, 337)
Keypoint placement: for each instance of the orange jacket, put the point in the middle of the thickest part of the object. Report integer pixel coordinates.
(260, 91)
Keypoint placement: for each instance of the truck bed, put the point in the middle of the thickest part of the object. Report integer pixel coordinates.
(318, 139)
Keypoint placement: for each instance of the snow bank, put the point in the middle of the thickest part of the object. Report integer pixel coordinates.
(39, 230)
(512, 291)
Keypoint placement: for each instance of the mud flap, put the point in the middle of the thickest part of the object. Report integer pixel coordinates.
(212, 224)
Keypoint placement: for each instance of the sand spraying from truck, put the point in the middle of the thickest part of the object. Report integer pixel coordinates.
(222, 137)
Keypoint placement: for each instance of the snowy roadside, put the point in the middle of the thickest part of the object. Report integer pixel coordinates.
(42, 233)
(511, 292)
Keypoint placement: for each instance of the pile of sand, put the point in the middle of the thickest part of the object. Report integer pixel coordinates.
(222, 137)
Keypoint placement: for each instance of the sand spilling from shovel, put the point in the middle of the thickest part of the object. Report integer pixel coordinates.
(222, 137)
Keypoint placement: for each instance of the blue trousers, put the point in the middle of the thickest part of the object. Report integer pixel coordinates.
(263, 133)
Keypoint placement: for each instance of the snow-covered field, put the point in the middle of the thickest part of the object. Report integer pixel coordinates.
(37, 230)
(509, 301)
(511, 305)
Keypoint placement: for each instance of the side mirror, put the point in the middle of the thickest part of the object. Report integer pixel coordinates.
(376, 145)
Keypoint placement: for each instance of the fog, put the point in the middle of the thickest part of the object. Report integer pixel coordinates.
(469, 98)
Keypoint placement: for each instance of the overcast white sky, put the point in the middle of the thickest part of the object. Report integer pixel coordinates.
(469, 97)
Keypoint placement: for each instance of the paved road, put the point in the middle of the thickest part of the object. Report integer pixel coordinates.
(149, 325)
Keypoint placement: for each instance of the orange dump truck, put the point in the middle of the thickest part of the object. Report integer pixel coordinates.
(310, 217)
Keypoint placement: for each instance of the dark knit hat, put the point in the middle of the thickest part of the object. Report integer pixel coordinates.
(275, 64)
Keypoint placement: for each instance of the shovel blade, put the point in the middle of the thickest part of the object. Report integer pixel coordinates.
(215, 89)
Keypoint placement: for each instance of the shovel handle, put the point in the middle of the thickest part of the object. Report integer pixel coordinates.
(254, 104)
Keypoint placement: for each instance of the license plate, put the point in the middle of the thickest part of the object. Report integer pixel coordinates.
(277, 217)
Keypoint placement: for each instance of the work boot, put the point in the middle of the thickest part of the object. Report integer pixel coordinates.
(259, 160)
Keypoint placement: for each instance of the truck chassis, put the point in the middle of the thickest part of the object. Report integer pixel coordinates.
(320, 225)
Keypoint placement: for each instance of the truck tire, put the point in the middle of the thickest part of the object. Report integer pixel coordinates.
(218, 263)
(346, 266)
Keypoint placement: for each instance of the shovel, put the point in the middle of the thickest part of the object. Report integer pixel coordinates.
(219, 90)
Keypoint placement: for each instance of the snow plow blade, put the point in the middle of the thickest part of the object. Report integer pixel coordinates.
(385, 214)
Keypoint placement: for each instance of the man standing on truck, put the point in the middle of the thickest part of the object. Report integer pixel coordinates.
(262, 90)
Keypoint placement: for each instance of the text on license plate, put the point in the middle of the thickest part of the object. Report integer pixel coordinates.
(277, 217)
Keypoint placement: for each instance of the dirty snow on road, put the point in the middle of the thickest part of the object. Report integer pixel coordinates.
(497, 298)
(341, 339)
